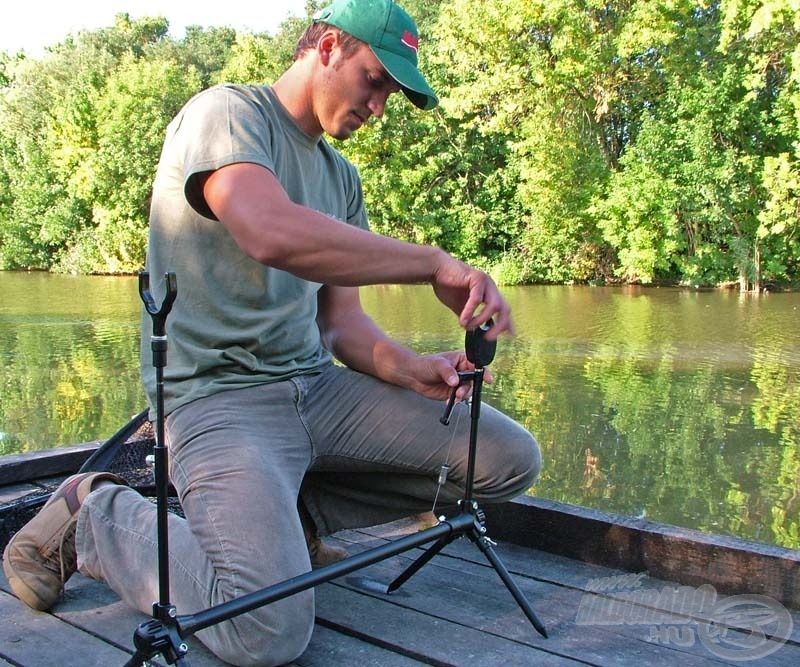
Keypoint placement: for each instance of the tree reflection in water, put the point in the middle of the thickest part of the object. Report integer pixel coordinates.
(675, 405)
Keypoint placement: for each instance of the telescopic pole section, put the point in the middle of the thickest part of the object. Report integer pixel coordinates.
(475, 414)
(480, 351)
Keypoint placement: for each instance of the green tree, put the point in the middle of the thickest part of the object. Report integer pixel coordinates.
(538, 87)
(47, 115)
(262, 58)
(577, 140)
(438, 177)
(81, 131)
(140, 98)
(775, 66)
(689, 198)
(50, 114)
(205, 52)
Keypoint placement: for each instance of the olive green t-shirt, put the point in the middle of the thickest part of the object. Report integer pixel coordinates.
(236, 323)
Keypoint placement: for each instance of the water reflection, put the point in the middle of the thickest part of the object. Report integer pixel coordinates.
(679, 406)
(70, 346)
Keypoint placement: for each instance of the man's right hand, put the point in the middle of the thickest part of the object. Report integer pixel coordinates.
(472, 295)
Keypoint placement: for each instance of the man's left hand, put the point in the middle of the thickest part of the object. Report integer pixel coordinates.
(435, 375)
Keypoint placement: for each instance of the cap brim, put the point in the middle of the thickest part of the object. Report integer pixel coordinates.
(409, 77)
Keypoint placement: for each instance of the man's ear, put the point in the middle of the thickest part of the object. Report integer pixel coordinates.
(326, 45)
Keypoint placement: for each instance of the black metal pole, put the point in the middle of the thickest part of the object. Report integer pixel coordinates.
(191, 623)
(485, 545)
(159, 452)
(481, 353)
(163, 609)
(475, 415)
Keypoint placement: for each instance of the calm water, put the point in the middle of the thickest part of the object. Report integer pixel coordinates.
(678, 406)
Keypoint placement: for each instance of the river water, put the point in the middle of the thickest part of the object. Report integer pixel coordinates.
(680, 406)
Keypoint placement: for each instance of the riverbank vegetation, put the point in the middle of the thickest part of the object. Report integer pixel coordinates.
(577, 140)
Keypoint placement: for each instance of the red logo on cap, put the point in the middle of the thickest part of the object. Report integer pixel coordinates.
(410, 40)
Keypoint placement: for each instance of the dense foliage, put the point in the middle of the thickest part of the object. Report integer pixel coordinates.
(577, 140)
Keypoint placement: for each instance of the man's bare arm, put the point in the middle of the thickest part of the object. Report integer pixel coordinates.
(355, 340)
(251, 203)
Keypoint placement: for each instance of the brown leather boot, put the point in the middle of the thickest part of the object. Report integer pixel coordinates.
(41, 556)
(321, 554)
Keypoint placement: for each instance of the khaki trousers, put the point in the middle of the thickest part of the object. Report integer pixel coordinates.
(354, 450)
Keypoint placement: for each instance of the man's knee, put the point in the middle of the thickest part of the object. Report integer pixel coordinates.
(269, 636)
(525, 460)
(534, 466)
(508, 465)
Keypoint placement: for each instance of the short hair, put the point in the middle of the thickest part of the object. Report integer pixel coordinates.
(310, 38)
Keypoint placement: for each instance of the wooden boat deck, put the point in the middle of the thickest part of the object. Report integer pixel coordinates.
(454, 612)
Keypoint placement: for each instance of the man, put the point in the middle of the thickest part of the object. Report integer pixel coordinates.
(271, 444)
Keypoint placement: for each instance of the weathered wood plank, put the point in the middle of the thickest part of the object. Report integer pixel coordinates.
(468, 600)
(35, 639)
(440, 641)
(584, 577)
(329, 647)
(557, 607)
(16, 468)
(92, 607)
(668, 552)
(457, 597)
(452, 612)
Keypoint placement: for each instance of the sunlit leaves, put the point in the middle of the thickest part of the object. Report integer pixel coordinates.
(633, 140)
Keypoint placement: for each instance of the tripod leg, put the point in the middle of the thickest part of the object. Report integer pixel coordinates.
(486, 547)
(417, 565)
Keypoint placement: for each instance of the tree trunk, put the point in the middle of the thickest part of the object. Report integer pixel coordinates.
(757, 268)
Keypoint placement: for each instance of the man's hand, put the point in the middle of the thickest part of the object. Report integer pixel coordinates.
(435, 375)
(473, 296)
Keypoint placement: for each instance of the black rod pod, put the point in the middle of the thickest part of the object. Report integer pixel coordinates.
(164, 633)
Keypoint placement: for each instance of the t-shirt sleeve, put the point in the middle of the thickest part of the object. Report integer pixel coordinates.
(221, 126)
(356, 210)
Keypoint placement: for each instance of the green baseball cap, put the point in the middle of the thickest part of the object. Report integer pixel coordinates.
(393, 37)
